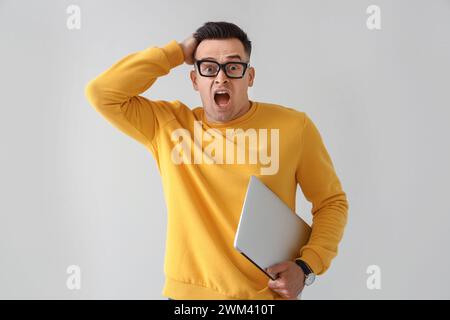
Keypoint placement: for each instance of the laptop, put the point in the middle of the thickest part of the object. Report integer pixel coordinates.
(269, 232)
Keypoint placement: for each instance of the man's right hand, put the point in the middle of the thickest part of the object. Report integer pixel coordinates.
(189, 45)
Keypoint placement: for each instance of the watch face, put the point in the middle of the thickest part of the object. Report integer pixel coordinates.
(310, 279)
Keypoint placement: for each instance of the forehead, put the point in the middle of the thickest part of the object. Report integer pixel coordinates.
(220, 49)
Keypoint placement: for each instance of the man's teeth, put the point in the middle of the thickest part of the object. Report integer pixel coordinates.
(221, 92)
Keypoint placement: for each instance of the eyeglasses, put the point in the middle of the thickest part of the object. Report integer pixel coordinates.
(210, 68)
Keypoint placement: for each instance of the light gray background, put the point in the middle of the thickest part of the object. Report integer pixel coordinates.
(75, 190)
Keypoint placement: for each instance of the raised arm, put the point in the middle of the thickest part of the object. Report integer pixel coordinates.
(115, 92)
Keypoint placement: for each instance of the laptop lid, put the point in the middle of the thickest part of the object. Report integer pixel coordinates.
(269, 232)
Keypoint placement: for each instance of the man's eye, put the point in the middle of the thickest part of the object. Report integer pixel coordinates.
(234, 67)
(209, 69)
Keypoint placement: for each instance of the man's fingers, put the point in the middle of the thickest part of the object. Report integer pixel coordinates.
(287, 283)
(277, 284)
(273, 275)
(277, 268)
(273, 284)
(282, 292)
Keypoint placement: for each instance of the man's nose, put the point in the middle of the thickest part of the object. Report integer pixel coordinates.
(221, 76)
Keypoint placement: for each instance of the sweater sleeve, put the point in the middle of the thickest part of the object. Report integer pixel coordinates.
(115, 92)
(321, 186)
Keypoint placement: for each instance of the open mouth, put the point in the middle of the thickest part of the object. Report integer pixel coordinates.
(222, 99)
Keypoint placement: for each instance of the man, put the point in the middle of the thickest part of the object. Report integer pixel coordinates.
(206, 155)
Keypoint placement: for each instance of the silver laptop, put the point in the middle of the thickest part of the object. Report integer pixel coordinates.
(269, 232)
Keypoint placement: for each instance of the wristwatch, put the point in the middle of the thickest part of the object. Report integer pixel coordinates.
(310, 276)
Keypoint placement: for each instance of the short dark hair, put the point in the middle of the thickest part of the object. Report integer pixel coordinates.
(222, 30)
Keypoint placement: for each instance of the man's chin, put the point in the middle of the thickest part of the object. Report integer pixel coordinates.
(221, 118)
(219, 115)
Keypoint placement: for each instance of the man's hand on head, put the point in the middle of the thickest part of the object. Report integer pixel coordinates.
(290, 279)
(189, 45)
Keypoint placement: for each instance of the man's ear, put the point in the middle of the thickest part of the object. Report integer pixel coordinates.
(193, 76)
(251, 76)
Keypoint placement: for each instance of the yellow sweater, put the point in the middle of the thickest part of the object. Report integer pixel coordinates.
(204, 194)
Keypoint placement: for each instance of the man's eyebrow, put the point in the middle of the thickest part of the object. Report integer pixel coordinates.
(233, 56)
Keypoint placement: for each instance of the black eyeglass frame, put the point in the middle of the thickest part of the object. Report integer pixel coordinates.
(223, 67)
